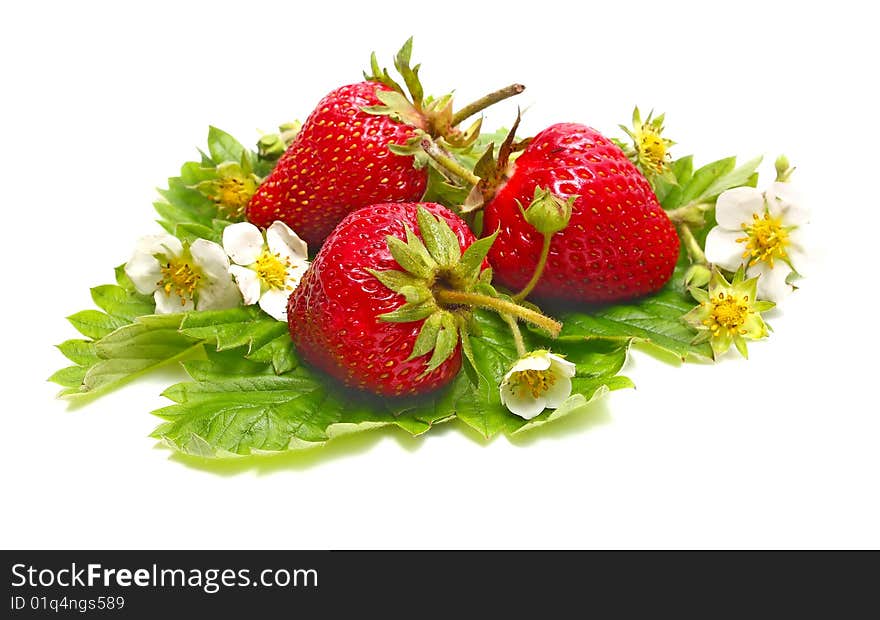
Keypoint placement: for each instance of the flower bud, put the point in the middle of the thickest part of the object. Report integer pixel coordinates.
(547, 212)
(697, 275)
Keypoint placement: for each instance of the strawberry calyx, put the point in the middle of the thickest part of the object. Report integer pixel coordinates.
(431, 116)
(490, 172)
(441, 285)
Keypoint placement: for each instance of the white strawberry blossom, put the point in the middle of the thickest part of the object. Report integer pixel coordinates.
(763, 232)
(266, 266)
(182, 278)
(537, 381)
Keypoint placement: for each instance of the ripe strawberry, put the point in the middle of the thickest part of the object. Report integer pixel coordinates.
(334, 313)
(338, 162)
(357, 148)
(619, 243)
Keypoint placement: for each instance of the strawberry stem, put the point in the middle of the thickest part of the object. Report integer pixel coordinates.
(448, 163)
(484, 102)
(517, 334)
(691, 245)
(501, 306)
(539, 269)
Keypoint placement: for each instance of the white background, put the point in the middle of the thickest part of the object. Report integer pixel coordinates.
(102, 102)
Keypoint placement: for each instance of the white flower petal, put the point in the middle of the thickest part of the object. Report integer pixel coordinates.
(523, 406)
(771, 283)
(218, 295)
(784, 199)
(248, 283)
(283, 241)
(274, 303)
(558, 392)
(539, 361)
(295, 274)
(143, 268)
(211, 259)
(169, 304)
(736, 206)
(797, 253)
(723, 249)
(243, 242)
(561, 366)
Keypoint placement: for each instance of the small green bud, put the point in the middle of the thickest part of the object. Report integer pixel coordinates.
(292, 126)
(783, 169)
(697, 276)
(271, 146)
(548, 213)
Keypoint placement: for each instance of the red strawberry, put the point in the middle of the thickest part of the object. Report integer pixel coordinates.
(338, 162)
(357, 148)
(619, 244)
(386, 304)
(334, 312)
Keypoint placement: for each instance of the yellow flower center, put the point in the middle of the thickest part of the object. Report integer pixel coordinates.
(535, 382)
(272, 270)
(727, 312)
(232, 195)
(651, 147)
(766, 239)
(179, 278)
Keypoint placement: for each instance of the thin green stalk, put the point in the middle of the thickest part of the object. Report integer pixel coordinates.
(690, 243)
(501, 306)
(539, 269)
(484, 102)
(517, 334)
(448, 163)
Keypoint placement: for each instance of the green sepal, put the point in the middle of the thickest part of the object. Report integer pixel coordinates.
(410, 74)
(468, 268)
(439, 239)
(409, 313)
(409, 257)
(427, 338)
(447, 340)
(396, 280)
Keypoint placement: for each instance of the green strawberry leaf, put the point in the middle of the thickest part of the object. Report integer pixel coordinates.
(655, 320)
(234, 407)
(223, 147)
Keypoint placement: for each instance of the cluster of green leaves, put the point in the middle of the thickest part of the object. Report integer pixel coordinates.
(188, 213)
(248, 394)
(237, 406)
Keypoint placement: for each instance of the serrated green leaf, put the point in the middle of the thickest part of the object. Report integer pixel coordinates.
(127, 353)
(655, 319)
(95, 324)
(122, 304)
(223, 147)
(69, 377)
(278, 352)
(704, 178)
(670, 194)
(80, 352)
(251, 410)
(247, 327)
(736, 178)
